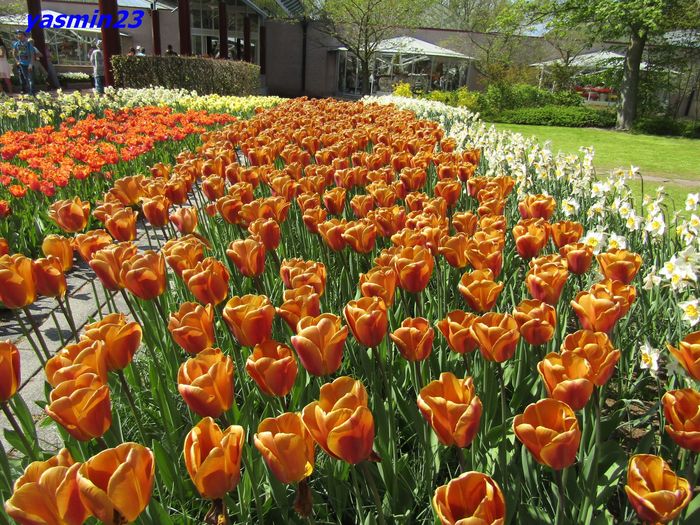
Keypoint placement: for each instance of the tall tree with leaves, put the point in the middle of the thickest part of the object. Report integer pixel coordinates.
(634, 21)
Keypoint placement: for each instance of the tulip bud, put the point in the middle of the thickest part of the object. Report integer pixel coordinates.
(497, 336)
(688, 354)
(10, 377)
(59, 247)
(248, 255)
(208, 281)
(273, 368)
(249, 318)
(414, 339)
(17, 283)
(49, 278)
(479, 290)
(286, 446)
(144, 275)
(456, 329)
(367, 319)
(682, 413)
(205, 382)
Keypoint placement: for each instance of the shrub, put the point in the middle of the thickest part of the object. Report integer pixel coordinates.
(566, 116)
(501, 97)
(204, 75)
(667, 126)
(403, 89)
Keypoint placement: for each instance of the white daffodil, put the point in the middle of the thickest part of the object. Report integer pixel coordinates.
(691, 312)
(691, 201)
(649, 358)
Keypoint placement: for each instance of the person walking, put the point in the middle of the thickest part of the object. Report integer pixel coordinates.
(23, 51)
(98, 67)
(5, 69)
(170, 51)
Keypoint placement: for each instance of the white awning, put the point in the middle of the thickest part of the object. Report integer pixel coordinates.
(412, 46)
(599, 60)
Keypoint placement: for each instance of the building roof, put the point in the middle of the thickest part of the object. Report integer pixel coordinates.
(135, 4)
(597, 61)
(414, 46)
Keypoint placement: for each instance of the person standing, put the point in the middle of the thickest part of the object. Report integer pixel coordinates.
(98, 67)
(170, 51)
(24, 56)
(5, 70)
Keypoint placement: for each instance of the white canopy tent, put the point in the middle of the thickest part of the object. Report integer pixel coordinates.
(590, 62)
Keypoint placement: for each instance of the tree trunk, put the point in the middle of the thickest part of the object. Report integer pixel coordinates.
(629, 89)
(364, 72)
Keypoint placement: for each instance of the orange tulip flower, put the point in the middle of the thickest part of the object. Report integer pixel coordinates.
(450, 190)
(286, 446)
(688, 354)
(454, 250)
(360, 235)
(319, 343)
(579, 257)
(296, 273)
(620, 265)
(472, 498)
(566, 232)
(597, 310)
(87, 356)
(456, 329)
(496, 335)
(567, 377)
(531, 236)
(184, 219)
(229, 208)
(10, 377)
(334, 200)
(536, 321)
(59, 247)
(313, 218)
(379, 281)
(107, 263)
(144, 275)
(49, 279)
(90, 242)
(17, 282)
(292, 310)
(414, 339)
(71, 215)
(156, 210)
(655, 492)
(122, 224)
(214, 187)
(208, 281)
(485, 253)
(213, 457)
(116, 484)
(248, 255)
(452, 408)
(413, 266)
(331, 232)
(479, 290)
(340, 421)
(361, 205)
(81, 406)
(250, 318)
(107, 208)
(205, 382)
(273, 368)
(129, 189)
(537, 207)
(682, 413)
(597, 349)
(266, 231)
(121, 339)
(192, 327)
(183, 253)
(549, 429)
(367, 319)
(465, 222)
(546, 282)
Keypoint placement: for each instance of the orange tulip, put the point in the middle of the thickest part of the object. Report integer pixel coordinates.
(479, 290)
(413, 266)
(156, 210)
(414, 339)
(229, 208)
(454, 250)
(537, 207)
(450, 190)
(596, 310)
(388, 220)
(567, 377)
(144, 275)
(361, 205)
(273, 368)
(71, 215)
(208, 281)
(17, 283)
(566, 232)
(485, 253)
(295, 308)
(471, 499)
(122, 224)
(340, 421)
(313, 218)
(90, 242)
(682, 413)
(250, 318)
(360, 235)
(296, 273)
(192, 327)
(213, 457)
(620, 265)
(214, 187)
(107, 208)
(248, 255)
(546, 282)
(116, 484)
(456, 329)
(81, 406)
(379, 281)
(465, 222)
(536, 321)
(319, 343)
(496, 335)
(184, 219)
(10, 377)
(183, 253)
(579, 257)
(267, 231)
(531, 236)
(367, 319)
(121, 339)
(87, 356)
(286, 446)
(129, 189)
(655, 492)
(59, 247)
(549, 429)
(597, 349)
(331, 231)
(452, 408)
(205, 382)
(688, 354)
(334, 200)
(107, 263)
(49, 279)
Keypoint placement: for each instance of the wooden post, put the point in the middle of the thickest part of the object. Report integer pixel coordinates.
(223, 30)
(111, 44)
(246, 38)
(155, 27)
(34, 9)
(183, 15)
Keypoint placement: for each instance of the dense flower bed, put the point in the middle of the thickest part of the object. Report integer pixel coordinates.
(366, 314)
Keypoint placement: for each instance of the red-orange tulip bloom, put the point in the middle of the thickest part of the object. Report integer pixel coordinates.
(334, 200)
(71, 215)
(107, 263)
(597, 349)
(49, 279)
(414, 338)
(360, 235)
(319, 343)
(286, 446)
(205, 382)
(566, 232)
(479, 290)
(121, 339)
(267, 231)
(84, 357)
(248, 255)
(213, 457)
(497, 336)
(297, 272)
(331, 232)
(546, 282)
(549, 429)
(156, 210)
(579, 257)
(656, 493)
(10, 377)
(620, 265)
(597, 310)
(450, 190)
(682, 413)
(486, 253)
(413, 266)
(536, 321)
(214, 187)
(361, 205)
(184, 219)
(273, 367)
(183, 253)
(59, 247)
(452, 408)
(688, 354)
(250, 318)
(471, 499)
(192, 327)
(116, 484)
(340, 421)
(17, 284)
(456, 329)
(537, 207)
(531, 235)
(122, 224)
(90, 242)
(293, 309)
(379, 281)
(208, 281)
(465, 222)
(567, 377)
(367, 319)
(454, 249)
(144, 275)
(81, 406)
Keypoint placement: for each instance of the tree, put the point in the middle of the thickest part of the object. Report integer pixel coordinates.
(635, 21)
(360, 25)
(474, 15)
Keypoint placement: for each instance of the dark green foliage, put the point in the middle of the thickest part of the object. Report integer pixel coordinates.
(566, 116)
(668, 126)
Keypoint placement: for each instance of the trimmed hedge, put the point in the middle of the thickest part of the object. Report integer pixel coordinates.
(667, 126)
(203, 75)
(565, 116)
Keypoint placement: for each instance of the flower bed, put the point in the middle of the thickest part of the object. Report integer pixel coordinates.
(364, 312)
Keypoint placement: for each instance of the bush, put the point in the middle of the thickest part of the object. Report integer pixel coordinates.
(403, 89)
(501, 97)
(566, 116)
(204, 75)
(667, 126)
(462, 98)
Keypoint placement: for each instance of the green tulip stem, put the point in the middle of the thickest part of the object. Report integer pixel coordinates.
(18, 430)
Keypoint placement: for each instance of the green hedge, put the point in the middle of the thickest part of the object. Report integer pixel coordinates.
(204, 75)
(667, 126)
(566, 116)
